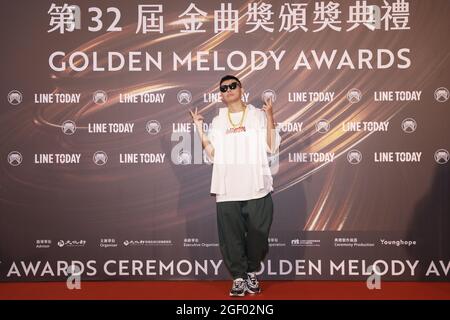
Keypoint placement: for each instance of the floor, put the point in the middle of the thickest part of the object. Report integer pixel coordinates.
(218, 290)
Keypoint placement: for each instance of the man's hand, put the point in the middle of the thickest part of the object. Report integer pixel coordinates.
(198, 120)
(196, 117)
(268, 108)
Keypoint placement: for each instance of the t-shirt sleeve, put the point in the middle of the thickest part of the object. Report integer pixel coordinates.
(277, 142)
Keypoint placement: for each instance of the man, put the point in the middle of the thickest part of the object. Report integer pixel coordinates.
(237, 144)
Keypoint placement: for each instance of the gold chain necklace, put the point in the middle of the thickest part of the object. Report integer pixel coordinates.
(242, 118)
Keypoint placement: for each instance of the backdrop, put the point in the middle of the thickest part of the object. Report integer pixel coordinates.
(101, 167)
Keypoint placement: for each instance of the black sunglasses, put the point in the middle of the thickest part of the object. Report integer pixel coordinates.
(232, 86)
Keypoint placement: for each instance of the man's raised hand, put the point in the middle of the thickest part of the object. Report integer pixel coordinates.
(196, 117)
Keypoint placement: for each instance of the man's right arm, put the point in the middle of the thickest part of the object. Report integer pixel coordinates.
(207, 141)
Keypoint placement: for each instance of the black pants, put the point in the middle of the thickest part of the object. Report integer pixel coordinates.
(243, 233)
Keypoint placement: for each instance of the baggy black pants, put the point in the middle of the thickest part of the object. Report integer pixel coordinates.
(243, 233)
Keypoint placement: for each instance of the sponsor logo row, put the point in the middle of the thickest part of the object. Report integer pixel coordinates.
(196, 242)
(100, 97)
(153, 127)
(100, 158)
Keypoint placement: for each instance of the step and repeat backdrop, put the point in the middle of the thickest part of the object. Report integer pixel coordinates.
(102, 171)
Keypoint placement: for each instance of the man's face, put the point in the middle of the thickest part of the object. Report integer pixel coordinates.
(231, 96)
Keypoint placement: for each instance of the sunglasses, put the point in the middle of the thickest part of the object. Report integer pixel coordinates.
(232, 86)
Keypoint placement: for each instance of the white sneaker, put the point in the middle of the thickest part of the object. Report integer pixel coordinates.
(252, 283)
(239, 288)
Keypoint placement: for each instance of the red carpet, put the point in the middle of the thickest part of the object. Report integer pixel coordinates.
(216, 290)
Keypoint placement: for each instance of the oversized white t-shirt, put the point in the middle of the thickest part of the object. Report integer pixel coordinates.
(240, 164)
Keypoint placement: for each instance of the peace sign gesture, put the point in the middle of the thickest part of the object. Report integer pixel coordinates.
(196, 117)
(267, 108)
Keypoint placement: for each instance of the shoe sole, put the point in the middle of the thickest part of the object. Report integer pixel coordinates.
(253, 292)
(237, 294)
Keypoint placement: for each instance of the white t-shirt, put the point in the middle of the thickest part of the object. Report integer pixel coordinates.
(239, 149)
